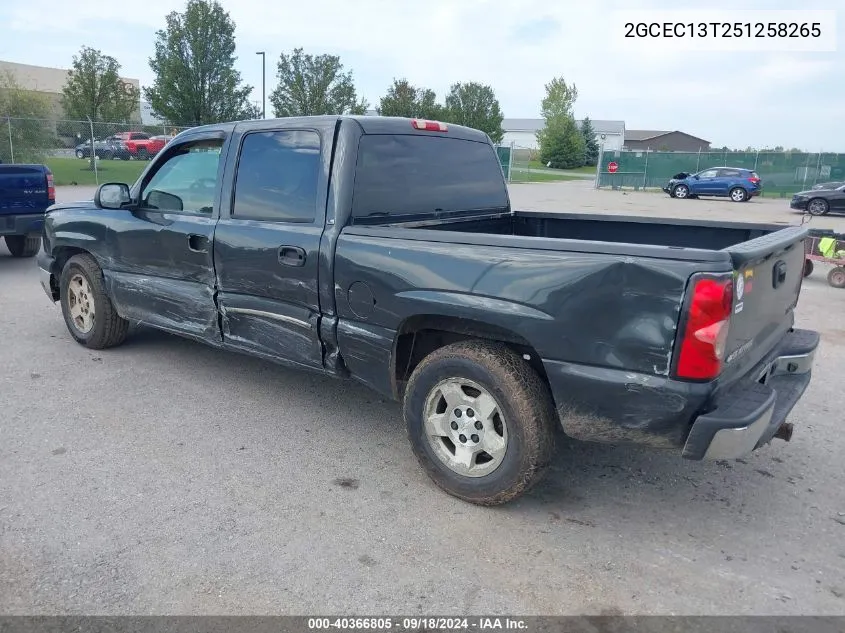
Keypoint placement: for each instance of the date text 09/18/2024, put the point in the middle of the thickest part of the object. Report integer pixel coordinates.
(418, 623)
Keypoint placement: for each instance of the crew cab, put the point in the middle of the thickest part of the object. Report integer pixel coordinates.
(385, 250)
(25, 193)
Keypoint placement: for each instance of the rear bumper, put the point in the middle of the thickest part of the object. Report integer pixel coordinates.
(29, 224)
(751, 412)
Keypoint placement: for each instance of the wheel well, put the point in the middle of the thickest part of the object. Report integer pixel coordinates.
(419, 336)
(60, 256)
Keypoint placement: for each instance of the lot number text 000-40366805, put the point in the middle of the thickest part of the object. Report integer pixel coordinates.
(726, 30)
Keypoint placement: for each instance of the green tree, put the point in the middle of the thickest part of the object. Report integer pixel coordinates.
(591, 145)
(95, 90)
(562, 144)
(403, 99)
(194, 63)
(475, 105)
(314, 84)
(23, 121)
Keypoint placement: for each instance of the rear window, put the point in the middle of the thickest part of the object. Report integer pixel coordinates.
(420, 175)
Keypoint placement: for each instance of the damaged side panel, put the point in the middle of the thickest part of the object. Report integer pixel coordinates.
(176, 305)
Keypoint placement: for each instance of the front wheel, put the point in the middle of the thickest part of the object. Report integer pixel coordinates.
(80, 153)
(680, 191)
(836, 277)
(89, 314)
(480, 421)
(23, 245)
(738, 194)
(818, 206)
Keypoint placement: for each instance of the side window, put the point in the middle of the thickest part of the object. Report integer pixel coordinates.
(139, 136)
(187, 181)
(277, 176)
(729, 173)
(710, 173)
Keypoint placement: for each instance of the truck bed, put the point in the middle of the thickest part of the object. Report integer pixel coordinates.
(677, 233)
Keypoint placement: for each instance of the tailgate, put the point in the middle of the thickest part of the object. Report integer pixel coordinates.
(23, 189)
(768, 272)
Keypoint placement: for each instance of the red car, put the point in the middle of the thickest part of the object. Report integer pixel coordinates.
(139, 145)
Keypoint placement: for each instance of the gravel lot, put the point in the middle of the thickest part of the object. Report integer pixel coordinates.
(164, 477)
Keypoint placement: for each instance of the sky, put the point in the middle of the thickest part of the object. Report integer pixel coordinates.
(741, 98)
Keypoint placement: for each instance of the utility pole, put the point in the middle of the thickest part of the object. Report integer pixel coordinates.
(263, 84)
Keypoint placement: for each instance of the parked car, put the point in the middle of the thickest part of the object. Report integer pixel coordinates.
(385, 250)
(107, 148)
(736, 183)
(139, 145)
(25, 193)
(828, 185)
(820, 201)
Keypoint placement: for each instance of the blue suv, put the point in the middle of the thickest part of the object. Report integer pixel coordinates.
(732, 182)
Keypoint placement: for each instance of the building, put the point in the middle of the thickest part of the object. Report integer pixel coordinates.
(49, 82)
(523, 132)
(147, 116)
(664, 141)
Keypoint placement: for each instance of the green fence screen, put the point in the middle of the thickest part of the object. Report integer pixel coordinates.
(782, 173)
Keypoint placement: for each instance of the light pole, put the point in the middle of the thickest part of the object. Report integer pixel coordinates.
(263, 83)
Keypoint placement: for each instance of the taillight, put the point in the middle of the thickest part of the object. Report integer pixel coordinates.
(429, 126)
(754, 181)
(706, 331)
(51, 189)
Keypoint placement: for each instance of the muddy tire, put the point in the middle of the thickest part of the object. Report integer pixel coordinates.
(480, 421)
(23, 245)
(808, 267)
(836, 277)
(89, 314)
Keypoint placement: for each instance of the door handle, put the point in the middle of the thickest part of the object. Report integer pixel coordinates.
(198, 243)
(292, 256)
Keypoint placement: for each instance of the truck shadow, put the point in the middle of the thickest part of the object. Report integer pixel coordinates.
(586, 481)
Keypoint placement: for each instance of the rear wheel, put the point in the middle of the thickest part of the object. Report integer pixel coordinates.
(836, 277)
(22, 245)
(143, 154)
(89, 314)
(808, 267)
(680, 191)
(818, 206)
(480, 421)
(738, 194)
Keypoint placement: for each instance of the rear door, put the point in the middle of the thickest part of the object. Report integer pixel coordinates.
(267, 244)
(726, 180)
(836, 199)
(767, 281)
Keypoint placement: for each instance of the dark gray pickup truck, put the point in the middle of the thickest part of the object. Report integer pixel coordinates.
(385, 250)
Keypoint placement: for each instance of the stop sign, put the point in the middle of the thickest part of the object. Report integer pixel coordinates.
(612, 167)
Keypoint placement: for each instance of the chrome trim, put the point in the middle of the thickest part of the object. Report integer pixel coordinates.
(269, 315)
(800, 364)
(734, 443)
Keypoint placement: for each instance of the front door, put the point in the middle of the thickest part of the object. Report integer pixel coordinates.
(163, 272)
(267, 246)
(705, 184)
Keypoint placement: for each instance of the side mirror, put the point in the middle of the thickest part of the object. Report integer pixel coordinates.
(697, 177)
(112, 195)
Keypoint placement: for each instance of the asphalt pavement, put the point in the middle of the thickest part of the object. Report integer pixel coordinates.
(165, 477)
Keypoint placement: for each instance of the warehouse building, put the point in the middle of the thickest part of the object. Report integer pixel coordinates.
(523, 132)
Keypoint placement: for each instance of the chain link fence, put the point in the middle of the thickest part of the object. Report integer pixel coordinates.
(35, 140)
(77, 151)
(782, 173)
